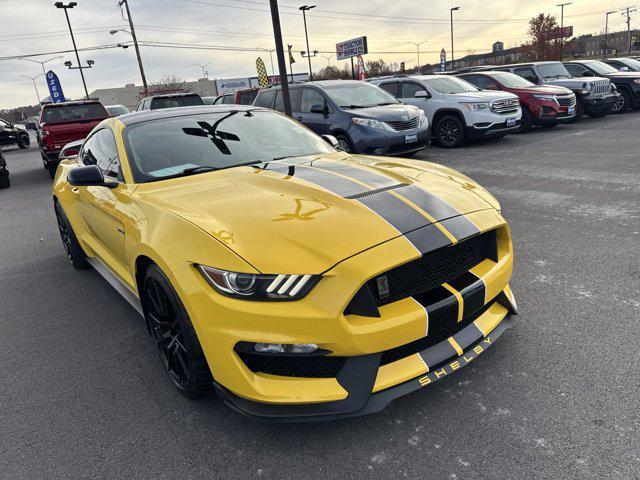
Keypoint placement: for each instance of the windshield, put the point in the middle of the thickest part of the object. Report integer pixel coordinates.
(167, 147)
(359, 95)
(631, 63)
(553, 70)
(449, 85)
(600, 68)
(118, 110)
(170, 102)
(511, 80)
(73, 113)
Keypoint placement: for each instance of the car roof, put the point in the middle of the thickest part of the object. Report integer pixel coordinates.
(75, 102)
(173, 95)
(147, 115)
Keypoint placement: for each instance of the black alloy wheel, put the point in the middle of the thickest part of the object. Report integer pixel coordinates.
(449, 132)
(24, 141)
(72, 248)
(175, 340)
(623, 103)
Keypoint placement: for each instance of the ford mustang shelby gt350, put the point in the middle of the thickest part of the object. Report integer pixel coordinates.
(300, 281)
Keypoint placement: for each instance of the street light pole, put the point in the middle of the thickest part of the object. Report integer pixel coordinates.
(328, 59)
(418, 50)
(304, 9)
(33, 79)
(606, 33)
(452, 55)
(562, 5)
(282, 66)
(42, 63)
(135, 44)
(204, 72)
(73, 40)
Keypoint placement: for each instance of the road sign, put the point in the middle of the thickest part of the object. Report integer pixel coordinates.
(351, 48)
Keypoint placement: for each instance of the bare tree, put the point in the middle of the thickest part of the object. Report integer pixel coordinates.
(168, 84)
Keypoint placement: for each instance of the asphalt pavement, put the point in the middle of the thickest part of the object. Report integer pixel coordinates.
(83, 395)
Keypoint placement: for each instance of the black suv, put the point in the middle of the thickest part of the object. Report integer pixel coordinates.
(4, 172)
(11, 134)
(627, 83)
(362, 117)
(170, 100)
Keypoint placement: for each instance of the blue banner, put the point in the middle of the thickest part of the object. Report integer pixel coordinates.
(55, 89)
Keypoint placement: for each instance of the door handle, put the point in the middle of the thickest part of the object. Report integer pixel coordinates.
(75, 190)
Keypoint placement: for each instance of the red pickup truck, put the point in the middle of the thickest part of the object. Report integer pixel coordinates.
(61, 123)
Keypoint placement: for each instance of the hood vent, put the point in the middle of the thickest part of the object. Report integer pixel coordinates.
(375, 192)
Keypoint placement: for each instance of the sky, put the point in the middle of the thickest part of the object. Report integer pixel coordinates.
(36, 26)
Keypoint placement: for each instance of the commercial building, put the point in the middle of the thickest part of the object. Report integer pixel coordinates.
(617, 44)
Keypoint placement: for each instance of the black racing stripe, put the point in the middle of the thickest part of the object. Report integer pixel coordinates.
(400, 215)
(472, 290)
(427, 239)
(438, 353)
(442, 308)
(428, 202)
(460, 227)
(334, 183)
(468, 336)
(373, 179)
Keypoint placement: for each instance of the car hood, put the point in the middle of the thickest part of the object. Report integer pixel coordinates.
(293, 214)
(386, 113)
(483, 96)
(543, 90)
(575, 81)
(624, 75)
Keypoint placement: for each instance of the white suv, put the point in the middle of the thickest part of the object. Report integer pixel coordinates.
(457, 110)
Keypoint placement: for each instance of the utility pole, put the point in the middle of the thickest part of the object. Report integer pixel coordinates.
(606, 32)
(418, 50)
(135, 44)
(73, 40)
(562, 5)
(282, 65)
(304, 9)
(33, 79)
(627, 13)
(452, 56)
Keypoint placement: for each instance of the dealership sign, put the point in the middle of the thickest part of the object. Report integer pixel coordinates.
(55, 89)
(351, 48)
(232, 84)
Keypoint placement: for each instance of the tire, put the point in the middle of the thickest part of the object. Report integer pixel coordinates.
(527, 120)
(175, 339)
(449, 132)
(4, 181)
(579, 112)
(344, 144)
(623, 104)
(24, 140)
(52, 170)
(70, 242)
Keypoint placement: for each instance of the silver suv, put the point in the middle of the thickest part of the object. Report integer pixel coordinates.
(457, 110)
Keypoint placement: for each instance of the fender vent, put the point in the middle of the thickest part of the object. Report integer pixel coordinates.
(376, 191)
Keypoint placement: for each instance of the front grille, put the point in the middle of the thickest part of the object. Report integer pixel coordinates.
(600, 87)
(505, 107)
(434, 268)
(435, 336)
(566, 100)
(294, 365)
(405, 125)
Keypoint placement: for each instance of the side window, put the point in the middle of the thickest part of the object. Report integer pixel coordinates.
(527, 73)
(481, 82)
(575, 70)
(391, 87)
(309, 98)
(228, 99)
(265, 99)
(100, 149)
(409, 89)
(279, 105)
(217, 101)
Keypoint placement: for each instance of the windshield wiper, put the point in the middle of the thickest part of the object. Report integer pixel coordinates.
(387, 103)
(353, 106)
(211, 168)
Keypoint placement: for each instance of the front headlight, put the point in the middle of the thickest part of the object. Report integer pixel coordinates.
(614, 88)
(368, 122)
(548, 98)
(251, 286)
(475, 106)
(423, 117)
(636, 80)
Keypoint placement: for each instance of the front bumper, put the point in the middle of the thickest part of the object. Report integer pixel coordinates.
(599, 104)
(371, 141)
(361, 375)
(478, 131)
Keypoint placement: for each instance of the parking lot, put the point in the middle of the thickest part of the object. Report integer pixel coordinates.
(84, 395)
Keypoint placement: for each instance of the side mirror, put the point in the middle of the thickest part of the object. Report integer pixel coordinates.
(319, 109)
(88, 176)
(331, 140)
(422, 94)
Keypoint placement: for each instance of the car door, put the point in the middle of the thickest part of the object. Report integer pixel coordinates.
(408, 90)
(99, 206)
(316, 121)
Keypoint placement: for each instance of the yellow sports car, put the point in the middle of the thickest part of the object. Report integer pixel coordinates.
(297, 280)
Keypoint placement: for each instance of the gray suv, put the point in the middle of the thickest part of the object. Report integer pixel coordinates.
(362, 117)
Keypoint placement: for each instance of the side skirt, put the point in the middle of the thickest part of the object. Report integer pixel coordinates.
(113, 280)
